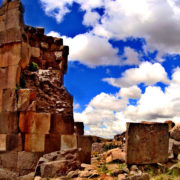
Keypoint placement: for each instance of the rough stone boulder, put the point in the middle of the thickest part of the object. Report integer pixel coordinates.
(175, 132)
(115, 155)
(58, 163)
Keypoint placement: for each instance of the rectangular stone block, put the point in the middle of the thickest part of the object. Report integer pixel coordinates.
(10, 142)
(9, 159)
(68, 142)
(9, 77)
(26, 100)
(34, 143)
(61, 125)
(8, 122)
(8, 101)
(85, 143)
(35, 52)
(52, 143)
(34, 123)
(10, 36)
(10, 54)
(28, 160)
(147, 143)
(79, 128)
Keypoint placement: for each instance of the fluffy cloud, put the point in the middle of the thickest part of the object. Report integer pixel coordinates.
(146, 73)
(106, 115)
(91, 18)
(157, 20)
(132, 92)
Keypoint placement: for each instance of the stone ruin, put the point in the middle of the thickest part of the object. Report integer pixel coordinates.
(36, 110)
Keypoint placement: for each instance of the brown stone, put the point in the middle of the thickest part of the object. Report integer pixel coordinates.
(8, 100)
(61, 125)
(79, 128)
(35, 52)
(10, 54)
(85, 143)
(9, 77)
(25, 55)
(147, 143)
(34, 143)
(115, 155)
(31, 122)
(68, 142)
(28, 160)
(175, 132)
(26, 99)
(52, 143)
(9, 159)
(10, 142)
(8, 122)
(44, 45)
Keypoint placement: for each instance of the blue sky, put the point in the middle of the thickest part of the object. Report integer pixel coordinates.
(124, 62)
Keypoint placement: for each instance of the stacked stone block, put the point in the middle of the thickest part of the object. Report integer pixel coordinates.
(36, 111)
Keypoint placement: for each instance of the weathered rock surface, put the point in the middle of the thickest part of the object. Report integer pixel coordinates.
(115, 155)
(175, 132)
(147, 143)
(58, 163)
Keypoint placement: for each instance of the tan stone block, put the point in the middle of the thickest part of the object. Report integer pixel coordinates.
(10, 54)
(25, 55)
(8, 100)
(10, 142)
(35, 52)
(85, 143)
(68, 142)
(8, 122)
(79, 128)
(31, 122)
(52, 143)
(13, 18)
(26, 98)
(28, 160)
(9, 77)
(147, 143)
(1, 93)
(2, 22)
(34, 142)
(10, 35)
(9, 159)
(61, 124)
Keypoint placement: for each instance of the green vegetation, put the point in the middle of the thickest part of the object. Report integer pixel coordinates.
(33, 67)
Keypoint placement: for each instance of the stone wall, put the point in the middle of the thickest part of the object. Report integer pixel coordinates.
(36, 110)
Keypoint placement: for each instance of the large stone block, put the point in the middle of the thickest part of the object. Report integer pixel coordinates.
(68, 142)
(26, 100)
(9, 159)
(34, 143)
(147, 143)
(10, 54)
(61, 125)
(32, 122)
(35, 52)
(79, 128)
(10, 36)
(25, 55)
(9, 77)
(8, 102)
(10, 142)
(28, 160)
(52, 143)
(85, 143)
(8, 122)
